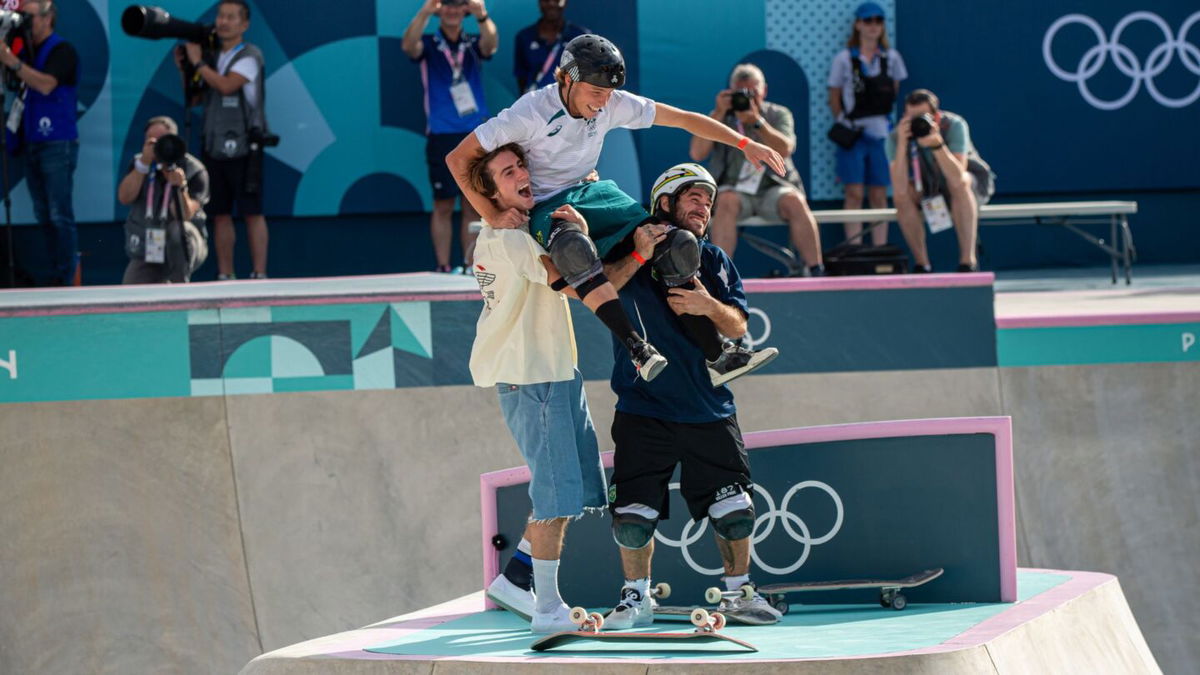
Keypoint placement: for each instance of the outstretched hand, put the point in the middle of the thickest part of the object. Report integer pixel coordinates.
(759, 154)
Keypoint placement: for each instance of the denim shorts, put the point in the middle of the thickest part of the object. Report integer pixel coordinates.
(553, 429)
(865, 163)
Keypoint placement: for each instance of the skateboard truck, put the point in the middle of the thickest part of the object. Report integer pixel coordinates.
(714, 595)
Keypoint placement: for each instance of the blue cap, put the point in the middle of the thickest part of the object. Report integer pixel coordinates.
(868, 10)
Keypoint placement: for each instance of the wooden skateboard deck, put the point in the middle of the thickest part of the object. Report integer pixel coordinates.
(889, 589)
(699, 636)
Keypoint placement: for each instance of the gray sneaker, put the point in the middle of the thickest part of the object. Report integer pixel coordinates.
(633, 611)
(647, 360)
(755, 611)
(737, 360)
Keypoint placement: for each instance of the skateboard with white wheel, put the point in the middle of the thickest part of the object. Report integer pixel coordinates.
(889, 589)
(707, 624)
(714, 595)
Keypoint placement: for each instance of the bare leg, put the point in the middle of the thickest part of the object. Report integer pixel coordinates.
(600, 295)
(877, 198)
(965, 213)
(256, 231)
(803, 227)
(723, 231)
(439, 230)
(853, 201)
(635, 562)
(735, 555)
(225, 237)
(546, 538)
(912, 225)
(466, 236)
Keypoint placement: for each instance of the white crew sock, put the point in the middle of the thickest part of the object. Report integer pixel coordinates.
(524, 547)
(545, 580)
(641, 585)
(736, 583)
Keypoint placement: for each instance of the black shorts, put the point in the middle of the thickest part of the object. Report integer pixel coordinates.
(227, 188)
(712, 456)
(437, 146)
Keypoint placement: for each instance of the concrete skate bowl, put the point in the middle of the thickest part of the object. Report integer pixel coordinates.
(168, 506)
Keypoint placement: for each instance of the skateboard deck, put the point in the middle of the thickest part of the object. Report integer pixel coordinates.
(889, 589)
(574, 636)
(669, 610)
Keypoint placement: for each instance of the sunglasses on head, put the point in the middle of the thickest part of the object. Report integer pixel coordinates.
(872, 19)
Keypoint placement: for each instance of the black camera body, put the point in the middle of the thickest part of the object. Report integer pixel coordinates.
(922, 126)
(260, 139)
(739, 100)
(169, 150)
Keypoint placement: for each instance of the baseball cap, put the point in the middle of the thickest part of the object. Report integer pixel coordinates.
(868, 10)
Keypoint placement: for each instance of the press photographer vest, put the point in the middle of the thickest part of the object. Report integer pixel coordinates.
(228, 120)
(872, 95)
(50, 117)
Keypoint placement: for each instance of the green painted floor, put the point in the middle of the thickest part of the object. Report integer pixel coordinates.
(808, 631)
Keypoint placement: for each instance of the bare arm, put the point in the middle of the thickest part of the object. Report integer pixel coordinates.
(489, 38)
(728, 319)
(228, 85)
(41, 82)
(411, 42)
(552, 277)
(701, 147)
(776, 139)
(710, 129)
(835, 102)
(645, 238)
(130, 186)
(458, 160)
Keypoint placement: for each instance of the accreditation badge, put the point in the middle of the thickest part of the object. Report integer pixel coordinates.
(156, 245)
(937, 214)
(464, 98)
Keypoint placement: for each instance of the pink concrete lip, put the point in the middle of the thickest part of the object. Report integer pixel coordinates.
(869, 283)
(1116, 319)
(999, 427)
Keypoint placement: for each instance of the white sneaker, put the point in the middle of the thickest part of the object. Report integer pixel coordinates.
(736, 360)
(755, 611)
(648, 361)
(633, 611)
(511, 597)
(554, 621)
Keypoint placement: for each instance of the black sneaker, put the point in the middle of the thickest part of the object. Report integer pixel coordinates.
(816, 271)
(922, 269)
(963, 267)
(737, 360)
(647, 360)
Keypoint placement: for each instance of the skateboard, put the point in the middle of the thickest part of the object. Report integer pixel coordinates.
(668, 610)
(889, 589)
(659, 590)
(590, 625)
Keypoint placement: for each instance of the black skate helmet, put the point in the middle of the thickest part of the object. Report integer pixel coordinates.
(595, 60)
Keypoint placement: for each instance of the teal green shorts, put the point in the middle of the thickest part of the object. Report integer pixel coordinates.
(610, 213)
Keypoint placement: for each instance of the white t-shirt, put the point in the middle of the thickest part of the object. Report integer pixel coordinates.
(841, 76)
(561, 150)
(524, 334)
(247, 68)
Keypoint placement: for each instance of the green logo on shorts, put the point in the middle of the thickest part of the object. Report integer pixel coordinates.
(612, 493)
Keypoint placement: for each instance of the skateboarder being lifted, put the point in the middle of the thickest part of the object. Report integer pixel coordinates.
(678, 418)
(525, 347)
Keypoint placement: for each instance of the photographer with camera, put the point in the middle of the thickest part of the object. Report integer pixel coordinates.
(746, 190)
(166, 189)
(938, 177)
(42, 120)
(864, 80)
(235, 130)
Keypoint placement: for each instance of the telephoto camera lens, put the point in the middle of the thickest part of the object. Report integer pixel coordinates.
(739, 101)
(921, 126)
(169, 149)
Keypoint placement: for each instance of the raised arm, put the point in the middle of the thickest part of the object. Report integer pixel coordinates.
(489, 38)
(411, 42)
(710, 129)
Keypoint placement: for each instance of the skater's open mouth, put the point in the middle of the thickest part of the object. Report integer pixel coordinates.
(525, 190)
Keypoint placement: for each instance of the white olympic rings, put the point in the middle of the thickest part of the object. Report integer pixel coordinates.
(1125, 60)
(800, 533)
(754, 342)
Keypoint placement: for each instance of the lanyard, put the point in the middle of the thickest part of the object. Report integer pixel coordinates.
(915, 155)
(456, 65)
(166, 200)
(548, 64)
(232, 54)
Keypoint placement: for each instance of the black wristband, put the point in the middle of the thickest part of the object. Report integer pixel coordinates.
(939, 146)
(559, 284)
(485, 17)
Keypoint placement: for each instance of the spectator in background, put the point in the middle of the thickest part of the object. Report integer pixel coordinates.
(863, 83)
(749, 191)
(952, 180)
(538, 46)
(163, 244)
(49, 72)
(234, 99)
(454, 102)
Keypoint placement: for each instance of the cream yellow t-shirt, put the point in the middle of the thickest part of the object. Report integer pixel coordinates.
(524, 334)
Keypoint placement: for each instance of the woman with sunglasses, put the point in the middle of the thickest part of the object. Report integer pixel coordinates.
(863, 83)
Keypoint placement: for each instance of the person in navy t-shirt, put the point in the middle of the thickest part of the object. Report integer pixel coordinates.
(679, 417)
(451, 70)
(538, 46)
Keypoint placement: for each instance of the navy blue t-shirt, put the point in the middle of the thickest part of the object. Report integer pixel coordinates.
(682, 392)
(531, 53)
(438, 75)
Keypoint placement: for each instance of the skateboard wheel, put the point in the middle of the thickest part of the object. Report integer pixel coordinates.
(782, 606)
(712, 595)
(499, 542)
(699, 617)
(747, 591)
(578, 615)
(899, 602)
(597, 620)
(662, 590)
(718, 621)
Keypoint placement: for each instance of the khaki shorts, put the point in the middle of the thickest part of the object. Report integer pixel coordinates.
(764, 204)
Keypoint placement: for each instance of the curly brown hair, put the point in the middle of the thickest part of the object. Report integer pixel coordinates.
(479, 176)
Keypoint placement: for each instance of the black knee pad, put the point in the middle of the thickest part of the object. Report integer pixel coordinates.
(573, 253)
(633, 531)
(677, 258)
(734, 525)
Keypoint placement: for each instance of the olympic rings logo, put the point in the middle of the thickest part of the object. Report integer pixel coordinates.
(1125, 60)
(750, 339)
(764, 525)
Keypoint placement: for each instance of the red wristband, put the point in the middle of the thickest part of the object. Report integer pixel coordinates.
(638, 257)
(743, 143)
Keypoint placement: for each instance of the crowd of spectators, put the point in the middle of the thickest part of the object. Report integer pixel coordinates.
(937, 177)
